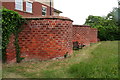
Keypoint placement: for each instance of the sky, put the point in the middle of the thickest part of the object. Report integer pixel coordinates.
(79, 10)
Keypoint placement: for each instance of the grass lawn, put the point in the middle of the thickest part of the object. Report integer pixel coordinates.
(100, 60)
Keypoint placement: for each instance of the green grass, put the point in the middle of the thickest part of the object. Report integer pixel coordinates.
(99, 60)
(104, 63)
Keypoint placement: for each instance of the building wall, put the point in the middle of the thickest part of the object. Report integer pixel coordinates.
(56, 14)
(37, 9)
(46, 2)
(44, 38)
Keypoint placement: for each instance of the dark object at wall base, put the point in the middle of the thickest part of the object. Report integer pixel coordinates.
(65, 56)
(76, 46)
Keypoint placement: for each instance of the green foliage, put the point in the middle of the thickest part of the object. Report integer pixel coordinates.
(107, 26)
(94, 20)
(11, 22)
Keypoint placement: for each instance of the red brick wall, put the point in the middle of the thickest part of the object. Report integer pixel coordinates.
(93, 35)
(37, 9)
(11, 52)
(48, 37)
(84, 34)
(81, 34)
(45, 38)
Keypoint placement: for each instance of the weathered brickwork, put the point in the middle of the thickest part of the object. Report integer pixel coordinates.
(81, 34)
(93, 35)
(84, 34)
(49, 37)
(44, 38)
(11, 52)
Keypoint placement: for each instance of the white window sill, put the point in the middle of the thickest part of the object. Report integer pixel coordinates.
(29, 12)
(18, 9)
(24, 11)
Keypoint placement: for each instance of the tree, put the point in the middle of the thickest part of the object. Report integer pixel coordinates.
(113, 16)
(108, 26)
(94, 20)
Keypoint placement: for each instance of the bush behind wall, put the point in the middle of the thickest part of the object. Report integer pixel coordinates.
(108, 26)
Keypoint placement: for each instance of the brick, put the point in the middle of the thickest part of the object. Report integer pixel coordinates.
(50, 38)
(84, 34)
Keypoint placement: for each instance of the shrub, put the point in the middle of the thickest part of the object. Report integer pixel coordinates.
(11, 22)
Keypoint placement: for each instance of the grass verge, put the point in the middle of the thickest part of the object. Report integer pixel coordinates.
(100, 60)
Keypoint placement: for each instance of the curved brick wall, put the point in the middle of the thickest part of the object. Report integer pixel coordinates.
(81, 34)
(49, 37)
(46, 37)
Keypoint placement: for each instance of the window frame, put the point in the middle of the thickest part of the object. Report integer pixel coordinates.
(19, 5)
(44, 11)
(29, 7)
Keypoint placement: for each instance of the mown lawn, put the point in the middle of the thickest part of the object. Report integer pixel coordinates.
(99, 60)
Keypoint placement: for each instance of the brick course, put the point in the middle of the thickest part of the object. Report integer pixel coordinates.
(84, 34)
(45, 38)
(49, 37)
(93, 35)
(81, 34)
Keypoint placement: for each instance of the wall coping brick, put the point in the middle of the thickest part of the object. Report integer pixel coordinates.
(81, 26)
(48, 17)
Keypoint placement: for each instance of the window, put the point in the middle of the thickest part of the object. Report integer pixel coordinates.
(44, 10)
(29, 7)
(19, 5)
